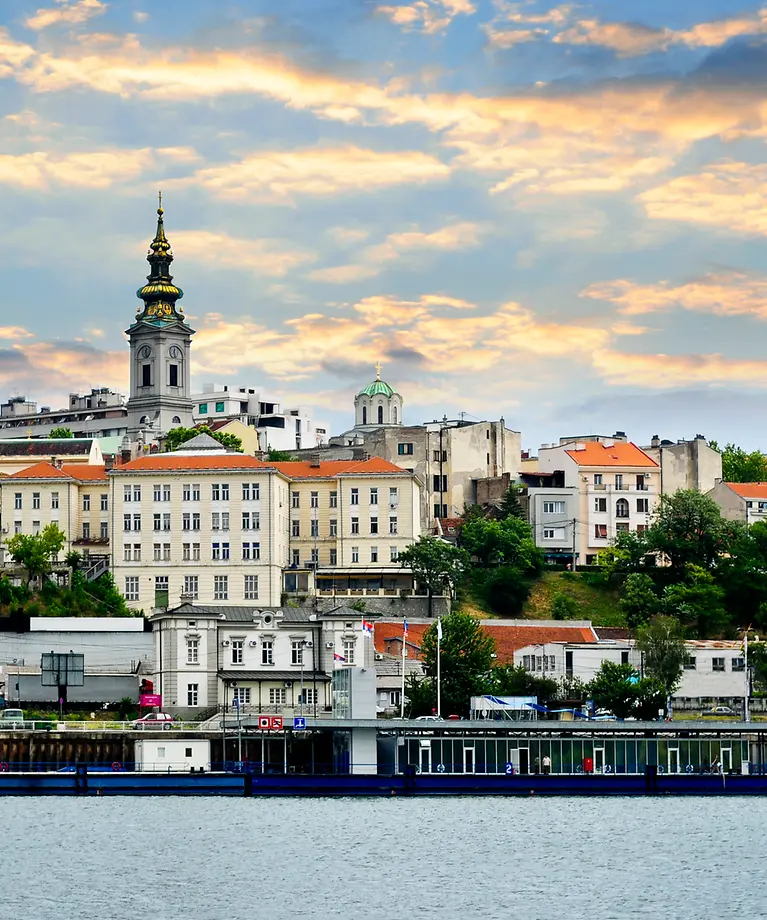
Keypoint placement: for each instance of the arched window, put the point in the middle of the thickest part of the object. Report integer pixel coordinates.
(622, 508)
(380, 415)
(144, 420)
(176, 420)
(364, 415)
(394, 414)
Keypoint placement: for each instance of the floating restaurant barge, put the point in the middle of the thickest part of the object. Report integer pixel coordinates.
(395, 757)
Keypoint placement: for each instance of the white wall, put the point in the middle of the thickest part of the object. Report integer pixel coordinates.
(174, 755)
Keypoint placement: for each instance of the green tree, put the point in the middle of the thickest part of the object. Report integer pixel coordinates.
(757, 662)
(628, 553)
(504, 588)
(278, 456)
(61, 433)
(436, 564)
(510, 503)
(506, 542)
(178, 436)
(73, 559)
(420, 697)
(740, 466)
(689, 529)
(697, 602)
(661, 642)
(36, 551)
(742, 575)
(563, 607)
(466, 659)
(615, 688)
(639, 601)
(515, 680)
(651, 699)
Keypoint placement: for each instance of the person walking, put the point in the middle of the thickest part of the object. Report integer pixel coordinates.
(546, 764)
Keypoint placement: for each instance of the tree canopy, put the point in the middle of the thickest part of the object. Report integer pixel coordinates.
(689, 529)
(278, 456)
(661, 642)
(436, 564)
(36, 551)
(740, 466)
(505, 542)
(61, 432)
(178, 436)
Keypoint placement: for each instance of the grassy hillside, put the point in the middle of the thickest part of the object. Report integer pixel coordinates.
(590, 600)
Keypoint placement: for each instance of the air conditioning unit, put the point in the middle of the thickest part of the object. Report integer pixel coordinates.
(288, 683)
(252, 643)
(308, 645)
(330, 645)
(226, 643)
(379, 656)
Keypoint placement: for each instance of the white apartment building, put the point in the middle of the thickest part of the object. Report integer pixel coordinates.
(98, 414)
(279, 427)
(193, 527)
(618, 487)
(260, 660)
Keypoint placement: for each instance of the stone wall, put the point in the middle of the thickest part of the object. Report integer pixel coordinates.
(412, 607)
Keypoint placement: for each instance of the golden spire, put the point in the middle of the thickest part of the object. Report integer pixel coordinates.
(378, 366)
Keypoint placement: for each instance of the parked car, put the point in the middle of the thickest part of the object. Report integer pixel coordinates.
(159, 721)
(719, 711)
(12, 718)
(428, 718)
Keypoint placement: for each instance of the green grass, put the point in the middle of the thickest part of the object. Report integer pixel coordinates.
(590, 600)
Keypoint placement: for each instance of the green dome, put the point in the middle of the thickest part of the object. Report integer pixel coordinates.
(376, 388)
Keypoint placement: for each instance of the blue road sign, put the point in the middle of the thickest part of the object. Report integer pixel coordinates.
(299, 723)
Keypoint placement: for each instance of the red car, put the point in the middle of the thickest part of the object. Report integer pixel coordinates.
(159, 721)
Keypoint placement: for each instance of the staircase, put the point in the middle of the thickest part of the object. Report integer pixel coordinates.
(98, 568)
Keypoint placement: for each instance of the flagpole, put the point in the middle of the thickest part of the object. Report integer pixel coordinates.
(746, 714)
(404, 654)
(439, 684)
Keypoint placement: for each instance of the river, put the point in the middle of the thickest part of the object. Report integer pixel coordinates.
(458, 858)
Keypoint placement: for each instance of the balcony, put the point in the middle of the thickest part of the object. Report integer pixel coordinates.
(91, 541)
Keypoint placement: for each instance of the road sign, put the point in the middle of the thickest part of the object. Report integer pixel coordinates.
(275, 723)
(299, 723)
(264, 722)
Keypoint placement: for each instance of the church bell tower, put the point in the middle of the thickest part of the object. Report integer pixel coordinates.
(160, 345)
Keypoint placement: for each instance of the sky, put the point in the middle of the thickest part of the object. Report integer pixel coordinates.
(553, 213)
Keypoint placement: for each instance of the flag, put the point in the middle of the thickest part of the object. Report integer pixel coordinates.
(404, 629)
(439, 630)
(404, 639)
(337, 657)
(367, 629)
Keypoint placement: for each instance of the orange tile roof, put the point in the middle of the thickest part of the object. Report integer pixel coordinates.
(42, 470)
(756, 490)
(85, 472)
(303, 469)
(508, 639)
(622, 453)
(158, 463)
(81, 471)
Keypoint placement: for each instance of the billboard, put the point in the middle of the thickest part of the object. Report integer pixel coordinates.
(62, 669)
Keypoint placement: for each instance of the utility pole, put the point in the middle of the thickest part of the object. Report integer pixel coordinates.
(747, 685)
(575, 521)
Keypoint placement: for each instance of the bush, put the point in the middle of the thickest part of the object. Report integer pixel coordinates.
(563, 607)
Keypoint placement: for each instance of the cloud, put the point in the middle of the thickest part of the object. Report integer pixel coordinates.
(272, 258)
(500, 36)
(661, 371)
(318, 171)
(725, 293)
(429, 16)
(140, 16)
(66, 13)
(373, 259)
(729, 195)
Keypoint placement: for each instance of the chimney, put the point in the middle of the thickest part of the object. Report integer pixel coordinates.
(109, 462)
(315, 462)
(620, 436)
(655, 442)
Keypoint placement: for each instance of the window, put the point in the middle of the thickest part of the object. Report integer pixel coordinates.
(137, 552)
(219, 492)
(600, 531)
(238, 646)
(600, 505)
(166, 521)
(196, 552)
(192, 694)
(225, 551)
(373, 525)
(394, 697)
(297, 651)
(334, 499)
(186, 521)
(597, 479)
(315, 528)
(334, 557)
(553, 507)
(405, 450)
(250, 491)
(35, 500)
(624, 657)
(54, 500)
(156, 493)
(738, 664)
(255, 520)
(308, 696)
(439, 456)
(374, 554)
(380, 415)
(86, 529)
(157, 549)
(355, 554)
(17, 500)
(643, 505)
(717, 664)
(440, 511)
(355, 525)
(161, 583)
(127, 555)
(17, 526)
(241, 695)
(131, 588)
(277, 696)
(267, 651)
(296, 557)
(225, 520)
(191, 493)
(186, 552)
(393, 554)
(619, 480)
(641, 528)
(126, 522)
(166, 493)
(641, 483)
(220, 587)
(146, 375)
(295, 499)
(203, 408)
(333, 527)
(393, 499)
(157, 522)
(251, 587)
(195, 521)
(355, 497)
(104, 530)
(374, 496)
(689, 663)
(173, 375)
(622, 528)
(295, 528)
(166, 552)
(215, 551)
(192, 586)
(104, 502)
(219, 407)
(622, 508)
(392, 525)
(439, 483)
(314, 500)
(349, 650)
(215, 521)
(548, 533)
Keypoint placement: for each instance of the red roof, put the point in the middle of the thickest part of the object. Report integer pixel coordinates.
(303, 469)
(158, 463)
(508, 638)
(85, 472)
(622, 453)
(44, 470)
(757, 490)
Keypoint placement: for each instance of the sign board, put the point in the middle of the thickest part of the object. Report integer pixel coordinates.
(299, 723)
(263, 723)
(148, 700)
(64, 669)
(270, 723)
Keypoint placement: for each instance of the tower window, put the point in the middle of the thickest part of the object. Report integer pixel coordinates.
(173, 368)
(146, 375)
(364, 415)
(380, 415)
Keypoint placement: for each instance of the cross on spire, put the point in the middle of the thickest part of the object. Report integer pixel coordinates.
(378, 366)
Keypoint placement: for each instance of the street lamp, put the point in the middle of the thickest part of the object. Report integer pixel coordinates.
(302, 646)
(236, 703)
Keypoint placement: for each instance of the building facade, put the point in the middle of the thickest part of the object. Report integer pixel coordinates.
(685, 464)
(741, 501)
(98, 414)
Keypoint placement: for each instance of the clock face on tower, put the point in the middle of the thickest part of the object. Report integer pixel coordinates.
(144, 352)
(175, 352)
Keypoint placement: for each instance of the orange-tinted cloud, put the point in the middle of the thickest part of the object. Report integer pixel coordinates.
(429, 16)
(267, 257)
(666, 371)
(66, 13)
